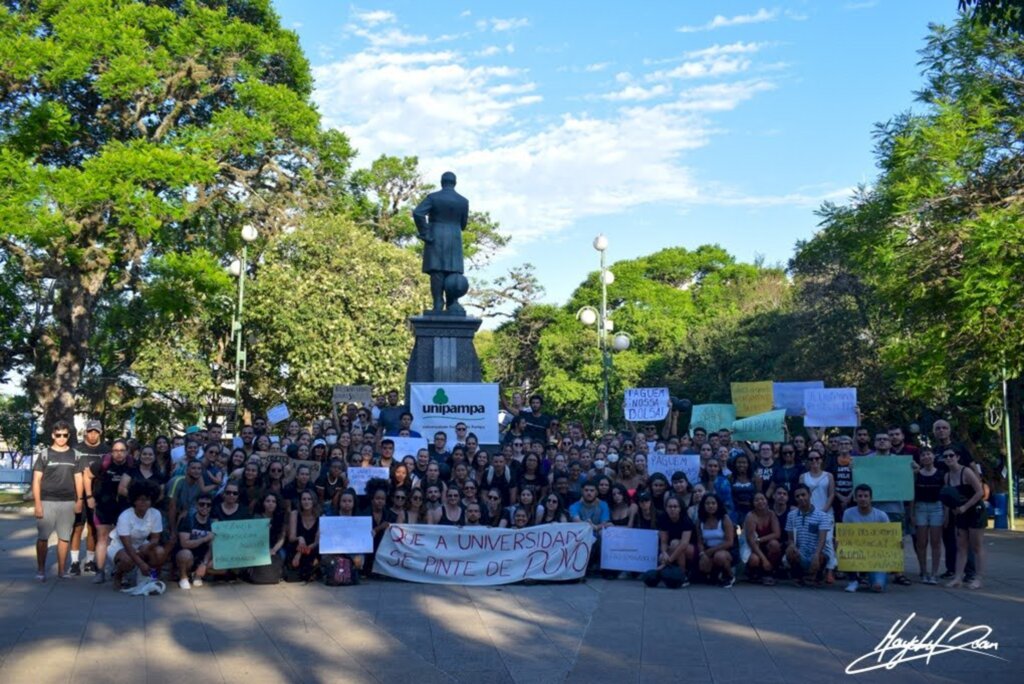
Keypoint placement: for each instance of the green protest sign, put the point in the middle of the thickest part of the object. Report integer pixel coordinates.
(713, 417)
(764, 427)
(891, 477)
(241, 543)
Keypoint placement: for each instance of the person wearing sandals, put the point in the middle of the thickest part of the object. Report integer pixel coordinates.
(716, 541)
(763, 534)
(928, 514)
(968, 518)
(865, 512)
(808, 530)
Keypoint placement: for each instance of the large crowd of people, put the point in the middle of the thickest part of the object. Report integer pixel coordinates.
(760, 512)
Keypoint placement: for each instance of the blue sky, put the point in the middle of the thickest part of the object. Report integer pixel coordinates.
(657, 123)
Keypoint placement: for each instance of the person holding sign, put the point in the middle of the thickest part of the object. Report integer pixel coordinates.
(864, 512)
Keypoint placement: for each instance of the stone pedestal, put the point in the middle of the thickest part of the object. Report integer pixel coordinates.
(444, 350)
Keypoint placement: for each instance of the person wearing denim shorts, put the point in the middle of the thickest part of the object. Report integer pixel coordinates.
(929, 515)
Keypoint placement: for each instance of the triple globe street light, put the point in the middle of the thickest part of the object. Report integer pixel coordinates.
(606, 342)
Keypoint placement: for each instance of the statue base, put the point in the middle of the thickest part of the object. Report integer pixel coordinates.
(444, 350)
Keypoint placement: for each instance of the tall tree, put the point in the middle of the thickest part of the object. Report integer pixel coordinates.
(129, 130)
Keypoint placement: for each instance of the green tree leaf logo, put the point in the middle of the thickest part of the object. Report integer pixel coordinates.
(440, 397)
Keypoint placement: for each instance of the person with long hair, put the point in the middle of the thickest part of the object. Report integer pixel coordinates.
(377, 490)
(675, 531)
(928, 514)
(716, 541)
(451, 511)
(623, 510)
(968, 518)
(554, 510)
(764, 539)
(530, 475)
(398, 513)
(492, 512)
(646, 517)
(270, 507)
(304, 535)
(743, 488)
(162, 452)
(416, 512)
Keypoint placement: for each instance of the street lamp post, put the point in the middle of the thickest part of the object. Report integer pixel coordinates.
(589, 316)
(237, 269)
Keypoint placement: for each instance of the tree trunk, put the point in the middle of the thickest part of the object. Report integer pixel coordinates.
(65, 351)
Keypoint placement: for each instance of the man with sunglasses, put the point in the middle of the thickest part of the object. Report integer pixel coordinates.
(194, 548)
(57, 493)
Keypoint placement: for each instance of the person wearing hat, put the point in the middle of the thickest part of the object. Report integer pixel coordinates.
(92, 448)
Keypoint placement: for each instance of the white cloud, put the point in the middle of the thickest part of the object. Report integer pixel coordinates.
(537, 174)
(718, 50)
(488, 51)
(465, 13)
(296, 25)
(391, 38)
(597, 66)
(374, 17)
(705, 68)
(721, 21)
(637, 93)
(509, 24)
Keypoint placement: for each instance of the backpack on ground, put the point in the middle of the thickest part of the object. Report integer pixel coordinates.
(338, 571)
(268, 574)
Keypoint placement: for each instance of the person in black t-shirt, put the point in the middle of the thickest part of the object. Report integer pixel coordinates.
(194, 543)
(536, 422)
(106, 488)
(675, 530)
(91, 449)
(57, 492)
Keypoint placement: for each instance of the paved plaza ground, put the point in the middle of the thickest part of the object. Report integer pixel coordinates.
(386, 631)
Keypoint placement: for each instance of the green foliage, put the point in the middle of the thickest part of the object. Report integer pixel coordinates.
(135, 139)
(329, 306)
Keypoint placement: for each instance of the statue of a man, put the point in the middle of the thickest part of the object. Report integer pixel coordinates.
(440, 220)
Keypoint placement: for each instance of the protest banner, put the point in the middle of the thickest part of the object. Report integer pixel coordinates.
(712, 417)
(483, 556)
(790, 395)
(646, 403)
(276, 414)
(350, 394)
(241, 543)
(869, 547)
(630, 550)
(408, 446)
(832, 407)
(346, 534)
(666, 464)
(891, 477)
(358, 477)
(438, 407)
(752, 398)
(764, 427)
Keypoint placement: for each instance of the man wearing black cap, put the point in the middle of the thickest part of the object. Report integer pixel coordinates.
(92, 448)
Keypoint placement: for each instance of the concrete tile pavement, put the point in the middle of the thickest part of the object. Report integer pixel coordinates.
(383, 631)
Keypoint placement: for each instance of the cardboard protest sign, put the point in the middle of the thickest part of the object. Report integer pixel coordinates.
(790, 395)
(241, 543)
(278, 413)
(646, 403)
(482, 556)
(358, 477)
(751, 398)
(891, 477)
(832, 407)
(713, 417)
(292, 468)
(346, 534)
(407, 446)
(437, 407)
(630, 550)
(764, 427)
(350, 394)
(869, 547)
(666, 464)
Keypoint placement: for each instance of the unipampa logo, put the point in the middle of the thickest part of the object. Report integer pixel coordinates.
(440, 405)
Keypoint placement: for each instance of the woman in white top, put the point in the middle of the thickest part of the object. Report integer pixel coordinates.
(135, 542)
(823, 491)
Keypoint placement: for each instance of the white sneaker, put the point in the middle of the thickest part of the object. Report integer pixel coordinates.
(851, 587)
(197, 582)
(183, 583)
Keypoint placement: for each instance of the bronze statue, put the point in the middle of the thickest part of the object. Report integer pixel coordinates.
(440, 220)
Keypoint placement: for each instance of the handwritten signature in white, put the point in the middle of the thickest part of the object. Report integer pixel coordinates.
(894, 650)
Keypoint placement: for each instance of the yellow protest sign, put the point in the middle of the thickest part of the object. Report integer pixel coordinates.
(751, 398)
(869, 547)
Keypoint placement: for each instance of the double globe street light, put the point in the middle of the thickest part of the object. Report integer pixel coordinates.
(237, 269)
(589, 316)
